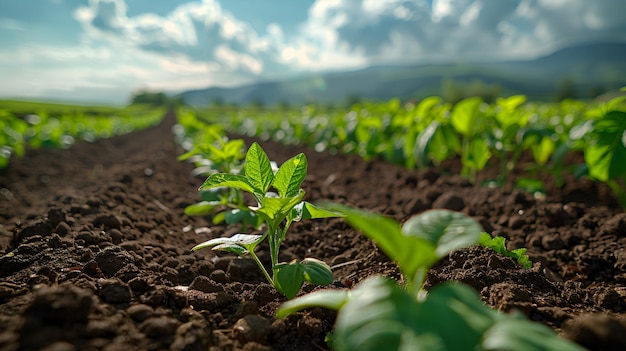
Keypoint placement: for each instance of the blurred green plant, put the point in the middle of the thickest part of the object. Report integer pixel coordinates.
(378, 314)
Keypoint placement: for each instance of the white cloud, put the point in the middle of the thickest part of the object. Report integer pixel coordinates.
(343, 34)
(555, 24)
(10, 24)
(195, 29)
(393, 31)
(103, 73)
(200, 44)
(235, 60)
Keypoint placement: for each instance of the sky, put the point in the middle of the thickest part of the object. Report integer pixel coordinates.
(105, 50)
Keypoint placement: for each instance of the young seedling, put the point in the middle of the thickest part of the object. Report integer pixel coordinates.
(225, 204)
(468, 119)
(498, 245)
(378, 314)
(278, 211)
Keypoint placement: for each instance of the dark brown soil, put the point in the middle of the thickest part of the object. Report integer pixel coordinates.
(95, 254)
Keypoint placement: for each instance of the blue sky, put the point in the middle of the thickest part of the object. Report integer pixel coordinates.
(103, 50)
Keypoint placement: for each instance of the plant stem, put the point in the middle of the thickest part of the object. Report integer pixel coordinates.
(258, 262)
(416, 285)
(274, 243)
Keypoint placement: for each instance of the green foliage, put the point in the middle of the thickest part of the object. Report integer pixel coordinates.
(378, 314)
(212, 152)
(498, 245)
(606, 152)
(44, 125)
(420, 242)
(432, 131)
(155, 99)
(456, 90)
(277, 211)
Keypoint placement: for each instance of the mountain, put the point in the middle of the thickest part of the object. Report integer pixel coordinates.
(581, 71)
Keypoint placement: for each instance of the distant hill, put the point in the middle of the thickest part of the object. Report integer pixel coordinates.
(584, 70)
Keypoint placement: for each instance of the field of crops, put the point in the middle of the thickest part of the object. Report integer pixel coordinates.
(43, 125)
(431, 132)
(108, 217)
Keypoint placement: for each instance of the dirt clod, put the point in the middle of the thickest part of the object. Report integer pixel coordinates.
(112, 259)
(251, 328)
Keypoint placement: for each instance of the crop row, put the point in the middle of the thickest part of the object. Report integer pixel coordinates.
(31, 125)
(378, 313)
(433, 131)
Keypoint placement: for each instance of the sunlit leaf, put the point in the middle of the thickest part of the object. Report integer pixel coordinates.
(245, 240)
(277, 208)
(445, 230)
(606, 152)
(201, 208)
(227, 180)
(290, 176)
(330, 298)
(258, 169)
(316, 271)
(412, 253)
(519, 334)
(465, 114)
(288, 278)
(306, 210)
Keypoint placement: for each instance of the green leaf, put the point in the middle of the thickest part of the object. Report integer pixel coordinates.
(219, 218)
(498, 244)
(445, 230)
(520, 334)
(234, 149)
(258, 169)
(215, 154)
(275, 209)
(425, 106)
(188, 154)
(522, 258)
(317, 272)
(543, 150)
(241, 216)
(214, 194)
(234, 248)
(423, 141)
(478, 154)
(508, 106)
(606, 152)
(227, 180)
(288, 278)
(530, 185)
(461, 318)
(465, 114)
(202, 208)
(248, 241)
(379, 315)
(290, 176)
(413, 254)
(540, 142)
(306, 210)
(328, 298)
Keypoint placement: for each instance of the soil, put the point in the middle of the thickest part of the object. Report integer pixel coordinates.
(95, 255)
